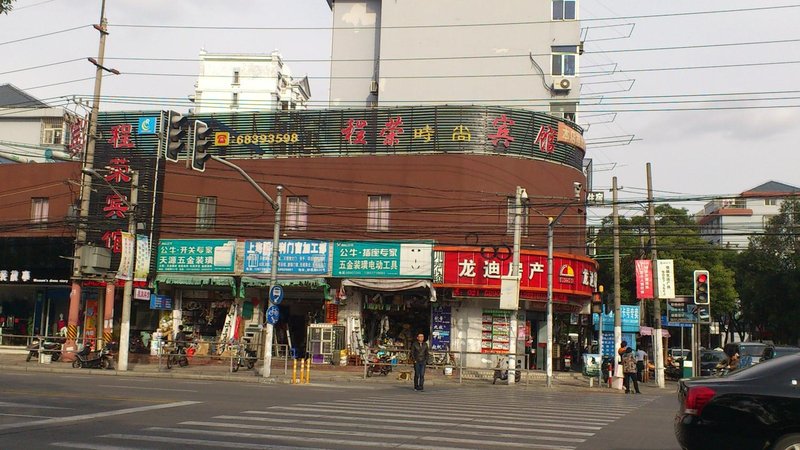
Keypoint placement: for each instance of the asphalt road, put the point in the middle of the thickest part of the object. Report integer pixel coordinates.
(85, 411)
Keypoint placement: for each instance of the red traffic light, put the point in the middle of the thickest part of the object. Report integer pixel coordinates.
(702, 278)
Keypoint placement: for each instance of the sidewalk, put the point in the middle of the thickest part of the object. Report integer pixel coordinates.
(219, 370)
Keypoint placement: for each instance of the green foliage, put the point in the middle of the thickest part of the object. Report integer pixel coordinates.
(769, 279)
(677, 238)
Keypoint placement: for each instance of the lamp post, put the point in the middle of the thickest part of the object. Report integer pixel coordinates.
(520, 195)
(551, 223)
(125, 323)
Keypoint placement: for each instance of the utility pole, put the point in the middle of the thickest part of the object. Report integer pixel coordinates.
(617, 293)
(512, 360)
(659, 351)
(86, 189)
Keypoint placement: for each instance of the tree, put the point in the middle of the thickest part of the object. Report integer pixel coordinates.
(5, 6)
(677, 238)
(769, 281)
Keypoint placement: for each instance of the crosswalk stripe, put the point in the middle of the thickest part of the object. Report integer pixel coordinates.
(392, 413)
(201, 442)
(413, 422)
(88, 446)
(358, 434)
(611, 410)
(416, 429)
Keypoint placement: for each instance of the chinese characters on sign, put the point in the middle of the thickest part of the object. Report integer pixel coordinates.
(382, 259)
(665, 278)
(294, 257)
(644, 278)
(196, 255)
(440, 328)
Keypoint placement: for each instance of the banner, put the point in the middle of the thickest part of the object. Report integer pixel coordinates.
(665, 278)
(128, 242)
(142, 268)
(644, 279)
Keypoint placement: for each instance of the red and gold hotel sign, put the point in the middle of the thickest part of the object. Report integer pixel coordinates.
(569, 136)
(473, 272)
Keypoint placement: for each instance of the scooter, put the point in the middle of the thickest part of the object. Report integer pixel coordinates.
(51, 347)
(380, 364)
(502, 374)
(88, 359)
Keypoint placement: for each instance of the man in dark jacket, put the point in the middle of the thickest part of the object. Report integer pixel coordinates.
(420, 352)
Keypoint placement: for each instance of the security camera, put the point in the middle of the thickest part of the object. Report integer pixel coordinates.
(577, 186)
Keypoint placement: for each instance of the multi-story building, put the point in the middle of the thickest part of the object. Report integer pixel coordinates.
(731, 222)
(247, 82)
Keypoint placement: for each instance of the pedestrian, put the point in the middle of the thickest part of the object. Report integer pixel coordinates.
(420, 352)
(623, 346)
(641, 356)
(629, 371)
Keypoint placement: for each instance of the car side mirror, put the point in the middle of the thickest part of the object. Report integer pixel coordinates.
(794, 383)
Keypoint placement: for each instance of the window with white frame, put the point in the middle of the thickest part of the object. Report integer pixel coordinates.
(565, 110)
(206, 213)
(564, 61)
(52, 132)
(523, 219)
(40, 210)
(378, 212)
(564, 9)
(770, 201)
(297, 213)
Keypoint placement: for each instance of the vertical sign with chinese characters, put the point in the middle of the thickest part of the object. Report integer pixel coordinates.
(440, 328)
(644, 278)
(665, 278)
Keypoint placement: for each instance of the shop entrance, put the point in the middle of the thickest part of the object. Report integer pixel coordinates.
(395, 318)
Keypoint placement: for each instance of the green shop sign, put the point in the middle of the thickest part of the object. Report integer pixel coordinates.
(383, 259)
(196, 255)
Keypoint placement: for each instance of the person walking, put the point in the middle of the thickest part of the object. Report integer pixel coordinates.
(641, 356)
(629, 371)
(420, 352)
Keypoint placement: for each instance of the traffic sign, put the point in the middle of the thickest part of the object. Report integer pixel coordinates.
(273, 314)
(276, 294)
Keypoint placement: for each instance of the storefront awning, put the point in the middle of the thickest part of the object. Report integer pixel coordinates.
(390, 284)
(308, 283)
(195, 280)
(648, 331)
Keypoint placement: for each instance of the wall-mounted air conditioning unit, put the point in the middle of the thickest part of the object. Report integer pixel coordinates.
(562, 84)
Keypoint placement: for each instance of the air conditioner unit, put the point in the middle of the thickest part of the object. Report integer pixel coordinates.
(373, 87)
(562, 84)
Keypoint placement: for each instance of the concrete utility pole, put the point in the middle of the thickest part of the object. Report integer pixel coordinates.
(657, 341)
(512, 351)
(85, 191)
(617, 293)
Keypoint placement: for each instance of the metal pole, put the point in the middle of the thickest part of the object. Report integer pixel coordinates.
(659, 351)
(600, 345)
(125, 324)
(548, 363)
(617, 283)
(273, 280)
(512, 362)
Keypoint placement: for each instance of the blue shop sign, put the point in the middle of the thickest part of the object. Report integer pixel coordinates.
(297, 257)
(630, 319)
(160, 302)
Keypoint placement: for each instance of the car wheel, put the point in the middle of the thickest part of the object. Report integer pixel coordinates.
(76, 364)
(788, 442)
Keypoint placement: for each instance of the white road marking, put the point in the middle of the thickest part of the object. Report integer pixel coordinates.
(145, 388)
(216, 444)
(28, 405)
(26, 415)
(92, 446)
(82, 417)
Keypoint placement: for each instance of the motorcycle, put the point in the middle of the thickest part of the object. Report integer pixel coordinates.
(88, 359)
(51, 347)
(502, 374)
(381, 364)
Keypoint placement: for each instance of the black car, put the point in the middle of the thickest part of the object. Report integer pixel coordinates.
(777, 352)
(757, 407)
(709, 360)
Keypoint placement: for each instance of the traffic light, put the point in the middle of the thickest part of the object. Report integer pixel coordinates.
(173, 139)
(200, 144)
(701, 292)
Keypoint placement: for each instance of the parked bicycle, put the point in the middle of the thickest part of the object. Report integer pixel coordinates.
(177, 356)
(242, 357)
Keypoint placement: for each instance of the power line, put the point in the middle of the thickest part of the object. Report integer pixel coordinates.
(52, 33)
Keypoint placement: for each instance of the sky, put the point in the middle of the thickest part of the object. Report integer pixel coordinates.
(708, 99)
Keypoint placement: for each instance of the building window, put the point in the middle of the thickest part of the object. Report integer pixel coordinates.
(565, 110)
(235, 76)
(564, 9)
(564, 60)
(206, 213)
(52, 133)
(510, 207)
(297, 213)
(40, 209)
(235, 101)
(770, 201)
(378, 212)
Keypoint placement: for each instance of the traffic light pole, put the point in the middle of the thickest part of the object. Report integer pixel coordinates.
(273, 279)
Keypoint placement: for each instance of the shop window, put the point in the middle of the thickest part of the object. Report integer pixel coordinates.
(40, 209)
(206, 213)
(297, 213)
(511, 208)
(564, 9)
(378, 212)
(564, 60)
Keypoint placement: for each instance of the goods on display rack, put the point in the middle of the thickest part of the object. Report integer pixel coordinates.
(495, 331)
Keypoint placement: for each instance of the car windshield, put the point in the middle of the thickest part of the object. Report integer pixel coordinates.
(712, 356)
(769, 368)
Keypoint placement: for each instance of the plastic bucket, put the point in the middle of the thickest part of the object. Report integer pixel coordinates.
(448, 371)
(45, 358)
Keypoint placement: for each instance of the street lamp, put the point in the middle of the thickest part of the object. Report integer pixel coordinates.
(520, 195)
(551, 223)
(125, 324)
